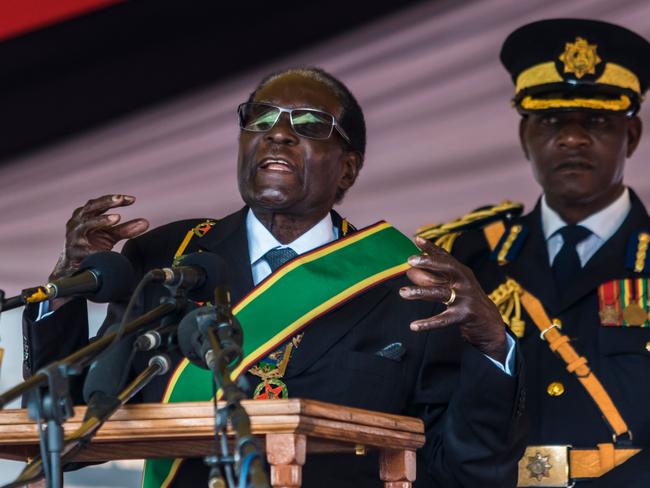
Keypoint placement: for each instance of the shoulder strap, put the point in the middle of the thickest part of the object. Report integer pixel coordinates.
(550, 331)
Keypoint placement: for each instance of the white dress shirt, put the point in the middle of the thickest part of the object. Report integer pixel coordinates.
(602, 224)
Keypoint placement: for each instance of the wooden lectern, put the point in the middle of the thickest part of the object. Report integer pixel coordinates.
(288, 430)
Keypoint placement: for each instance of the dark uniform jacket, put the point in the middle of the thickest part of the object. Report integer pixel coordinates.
(619, 356)
(471, 409)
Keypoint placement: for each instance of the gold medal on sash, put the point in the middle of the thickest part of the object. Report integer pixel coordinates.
(633, 314)
(271, 370)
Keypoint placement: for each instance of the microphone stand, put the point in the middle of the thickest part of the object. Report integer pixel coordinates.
(94, 419)
(247, 453)
(51, 400)
(78, 360)
(52, 403)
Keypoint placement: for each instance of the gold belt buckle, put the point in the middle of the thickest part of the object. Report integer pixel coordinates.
(546, 466)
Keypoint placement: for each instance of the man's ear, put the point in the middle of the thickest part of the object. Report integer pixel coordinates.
(351, 165)
(634, 131)
(523, 124)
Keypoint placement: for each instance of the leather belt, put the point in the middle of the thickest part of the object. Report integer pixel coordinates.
(559, 466)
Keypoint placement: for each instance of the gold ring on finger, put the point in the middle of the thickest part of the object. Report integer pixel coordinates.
(452, 297)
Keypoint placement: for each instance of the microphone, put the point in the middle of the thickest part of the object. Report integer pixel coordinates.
(200, 273)
(192, 330)
(102, 277)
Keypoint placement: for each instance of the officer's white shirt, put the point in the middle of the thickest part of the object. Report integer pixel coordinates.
(602, 224)
(261, 241)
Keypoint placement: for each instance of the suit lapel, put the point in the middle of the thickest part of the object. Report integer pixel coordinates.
(326, 331)
(228, 239)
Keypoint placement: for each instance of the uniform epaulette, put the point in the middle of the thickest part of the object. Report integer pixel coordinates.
(637, 257)
(444, 235)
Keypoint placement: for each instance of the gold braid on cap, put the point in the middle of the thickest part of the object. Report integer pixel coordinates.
(530, 103)
(546, 73)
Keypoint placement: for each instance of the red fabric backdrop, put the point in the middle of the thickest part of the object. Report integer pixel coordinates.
(21, 16)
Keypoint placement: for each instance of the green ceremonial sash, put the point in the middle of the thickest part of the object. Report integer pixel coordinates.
(285, 303)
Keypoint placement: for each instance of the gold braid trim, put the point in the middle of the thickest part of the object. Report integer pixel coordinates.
(515, 230)
(617, 75)
(540, 74)
(345, 227)
(473, 219)
(641, 252)
(530, 103)
(507, 298)
(546, 73)
(447, 241)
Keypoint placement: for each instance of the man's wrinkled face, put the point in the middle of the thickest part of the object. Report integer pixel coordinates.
(280, 171)
(578, 156)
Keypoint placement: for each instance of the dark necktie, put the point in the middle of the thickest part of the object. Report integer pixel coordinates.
(567, 262)
(278, 256)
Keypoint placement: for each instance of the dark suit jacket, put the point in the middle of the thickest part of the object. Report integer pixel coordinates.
(619, 356)
(471, 409)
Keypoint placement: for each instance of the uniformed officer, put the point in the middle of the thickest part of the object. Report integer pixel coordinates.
(571, 277)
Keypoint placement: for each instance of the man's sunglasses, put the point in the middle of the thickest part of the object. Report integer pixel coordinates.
(306, 122)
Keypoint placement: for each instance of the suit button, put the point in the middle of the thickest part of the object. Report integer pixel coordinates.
(555, 389)
(647, 346)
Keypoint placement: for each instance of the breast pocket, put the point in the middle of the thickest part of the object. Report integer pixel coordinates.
(615, 341)
(366, 380)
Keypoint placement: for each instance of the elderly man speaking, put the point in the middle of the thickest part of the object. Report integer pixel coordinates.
(436, 348)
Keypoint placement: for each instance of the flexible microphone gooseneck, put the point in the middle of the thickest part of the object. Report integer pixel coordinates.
(102, 277)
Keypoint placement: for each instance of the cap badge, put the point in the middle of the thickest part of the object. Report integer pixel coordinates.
(580, 58)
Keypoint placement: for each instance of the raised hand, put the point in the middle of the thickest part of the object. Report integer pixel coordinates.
(91, 230)
(438, 277)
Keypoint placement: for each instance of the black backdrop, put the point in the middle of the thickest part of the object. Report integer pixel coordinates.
(77, 74)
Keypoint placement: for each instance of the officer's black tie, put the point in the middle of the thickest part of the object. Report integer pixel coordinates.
(567, 262)
(278, 256)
